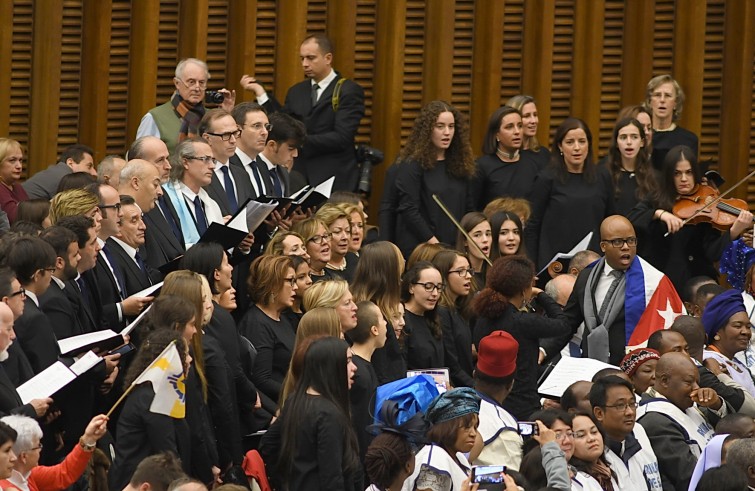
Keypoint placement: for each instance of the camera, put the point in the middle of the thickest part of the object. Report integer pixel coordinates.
(367, 156)
(528, 428)
(213, 97)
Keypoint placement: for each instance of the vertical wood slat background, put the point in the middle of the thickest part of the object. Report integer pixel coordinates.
(541, 47)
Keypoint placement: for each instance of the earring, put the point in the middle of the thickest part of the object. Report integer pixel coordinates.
(717, 337)
(561, 152)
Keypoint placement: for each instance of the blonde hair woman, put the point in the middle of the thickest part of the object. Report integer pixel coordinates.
(336, 218)
(317, 242)
(334, 294)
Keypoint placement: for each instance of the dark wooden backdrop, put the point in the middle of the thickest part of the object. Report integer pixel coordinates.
(87, 70)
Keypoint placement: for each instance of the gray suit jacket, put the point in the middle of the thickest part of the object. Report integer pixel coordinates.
(44, 184)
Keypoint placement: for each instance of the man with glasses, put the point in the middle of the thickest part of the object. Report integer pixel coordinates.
(330, 106)
(627, 447)
(252, 119)
(179, 117)
(617, 302)
(230, 186)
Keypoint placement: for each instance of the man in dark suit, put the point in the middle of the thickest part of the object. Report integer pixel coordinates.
(331, 108)
(33, 261)
(76, 158)
(230, 186)
(252, 120)
(124, 248)
(163, 239)
(283, 143)
(16, 365)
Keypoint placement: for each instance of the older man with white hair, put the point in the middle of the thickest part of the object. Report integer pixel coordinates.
(28, 475)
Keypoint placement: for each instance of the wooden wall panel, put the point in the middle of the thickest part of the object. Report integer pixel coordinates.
(637, 30)
(216, 45)
(364, 64)
(663, 38)
(143, 80)
(563, 42)
(241, 51)
(689, 57)
(6, 63)
(712, 77)
(537, 67)
(341, 21)
(95, 63)
(194, 19)
(414, 47)
(461, 71)
(291, 26)
(70, 76)
(437, 66)
(586, 85)
(20, 74)
(513, 41)
(117, 98)
(167, 53)
(610, 79)
(264, 46)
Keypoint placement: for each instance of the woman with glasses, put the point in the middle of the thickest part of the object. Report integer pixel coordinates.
(502, 305)
(453, 314)
(317, 243)
(546, 456)
(681, 251)
(342, 261)
(421, 288)
(437, 159)
(272, 287)
(11, 167)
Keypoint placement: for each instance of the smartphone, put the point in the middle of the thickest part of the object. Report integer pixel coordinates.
(488, 476)
(122, 350)
(528, 428)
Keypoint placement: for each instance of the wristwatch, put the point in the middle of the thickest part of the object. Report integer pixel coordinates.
(87, 447)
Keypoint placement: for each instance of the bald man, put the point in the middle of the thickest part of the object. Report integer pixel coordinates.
(597, 307)
(560, 288)
(678, 417)
(140, 179)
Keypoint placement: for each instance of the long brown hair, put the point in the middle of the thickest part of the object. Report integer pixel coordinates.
(643, 169)
(419, 147)
(377, 277)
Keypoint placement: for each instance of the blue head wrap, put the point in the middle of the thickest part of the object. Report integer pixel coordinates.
(453, 404)
(720, 309)
(735, 262)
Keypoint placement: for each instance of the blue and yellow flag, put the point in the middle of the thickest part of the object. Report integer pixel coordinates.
(166, 374)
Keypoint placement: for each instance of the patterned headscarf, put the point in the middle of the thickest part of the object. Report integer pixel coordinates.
(637, 357)
(453, 404)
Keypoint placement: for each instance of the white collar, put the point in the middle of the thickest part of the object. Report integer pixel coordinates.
(243, 156)
(33, 297)
(187, 191)
(323, 84)
(270, 165)
(129, 250)
(607, 269)
(19, 480)
(59, 282)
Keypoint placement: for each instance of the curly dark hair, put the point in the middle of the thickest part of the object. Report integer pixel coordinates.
(419, 147)
(509, 276)
(643, 169)
(557, 157)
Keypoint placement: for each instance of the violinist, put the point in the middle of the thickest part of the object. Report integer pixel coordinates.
(688, 250)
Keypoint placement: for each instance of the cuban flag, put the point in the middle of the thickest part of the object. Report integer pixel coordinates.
(651, 303)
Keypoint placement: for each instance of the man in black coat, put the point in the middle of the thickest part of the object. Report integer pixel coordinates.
(330, 106)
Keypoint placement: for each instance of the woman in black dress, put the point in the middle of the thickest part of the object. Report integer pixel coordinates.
(504, 170)
(570, 198)
(502, 306)
(421, 288)
(628, 161)
(319, 449)
(272, 286)
(665, 98)
(378, 279)
(688, 250)
(477, 226)
(453, 314)
(530, 122)
(437, 159)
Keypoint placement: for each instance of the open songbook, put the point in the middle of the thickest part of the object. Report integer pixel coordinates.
(581, 246)
(55, 377)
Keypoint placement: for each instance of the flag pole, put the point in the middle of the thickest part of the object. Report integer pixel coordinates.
(133, 384)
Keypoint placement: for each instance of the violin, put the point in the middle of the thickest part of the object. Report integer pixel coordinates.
(698, 208)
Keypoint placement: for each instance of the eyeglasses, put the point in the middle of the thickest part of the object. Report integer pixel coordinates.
(560, 435)
(617, 243)
(39, 447)
(49, 270)
(621, 407)
(259, 126)
(116, 207)
(206, 159)
(21, 291)
(463, 272)
(226, 136)
(290, 281)
(317, 239)
(191, 83)
(430, 287)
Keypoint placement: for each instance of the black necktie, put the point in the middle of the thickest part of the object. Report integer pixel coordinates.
(276, 182)
(200, 216)
(314, 94)
(229, 188)
(609, 294)
(83, 290)
(142, 266)
(257, 178)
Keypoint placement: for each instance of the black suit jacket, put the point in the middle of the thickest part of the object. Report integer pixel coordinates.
(575, 316)
(35, 335)
(235, 161)
(329, 147)
(17, 366)
(160, 243)
(10, 402)
(104, 296)
(136, 279)
(63, 315)
(244, 189)
(282, 176)
(84, 313)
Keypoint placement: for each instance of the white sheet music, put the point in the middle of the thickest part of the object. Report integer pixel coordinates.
(68, 345)
(147, 292)
(581, 246)
(569, 370)
(127, 330)
(46, 383)
(85, 363)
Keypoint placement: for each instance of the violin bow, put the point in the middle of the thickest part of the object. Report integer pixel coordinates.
(715, 201)
(461, 229)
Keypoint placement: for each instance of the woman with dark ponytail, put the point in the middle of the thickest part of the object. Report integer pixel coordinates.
(502, 305)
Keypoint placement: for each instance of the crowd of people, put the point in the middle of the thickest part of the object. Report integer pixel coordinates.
(296, 338)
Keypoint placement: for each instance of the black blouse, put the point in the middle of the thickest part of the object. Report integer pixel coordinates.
(457, 342)
(274, 342)
(423, 350)
(496, 178)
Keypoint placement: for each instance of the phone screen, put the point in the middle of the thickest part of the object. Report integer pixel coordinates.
(488, 474)
(528, 428)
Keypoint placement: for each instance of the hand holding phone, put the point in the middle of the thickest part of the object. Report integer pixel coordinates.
(528, 428)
